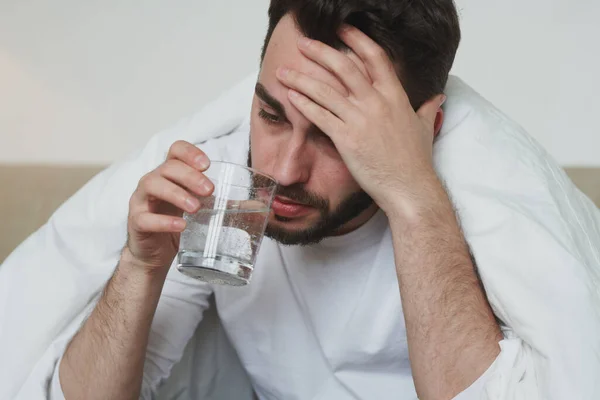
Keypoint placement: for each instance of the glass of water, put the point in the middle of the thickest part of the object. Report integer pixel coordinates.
(221, 240)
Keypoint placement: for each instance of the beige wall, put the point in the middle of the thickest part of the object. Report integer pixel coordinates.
(87, 81)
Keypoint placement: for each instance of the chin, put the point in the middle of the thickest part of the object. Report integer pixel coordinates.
(291, 232)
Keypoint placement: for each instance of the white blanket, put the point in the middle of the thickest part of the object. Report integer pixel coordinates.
(536, 239)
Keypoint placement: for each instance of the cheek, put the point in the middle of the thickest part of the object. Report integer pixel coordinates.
(336, 181)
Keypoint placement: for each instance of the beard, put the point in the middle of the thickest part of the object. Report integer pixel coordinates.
(329, 222)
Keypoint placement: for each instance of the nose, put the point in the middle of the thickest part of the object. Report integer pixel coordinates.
(292, 165)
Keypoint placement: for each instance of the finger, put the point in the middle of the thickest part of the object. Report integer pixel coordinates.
(187, 177)
(149, 222)
(338, 63)
(322, 118)
(156, 187)
(246, 205)
(189, 154)
(320, 92)
(429, 110)
(360, 65)
(381, 69)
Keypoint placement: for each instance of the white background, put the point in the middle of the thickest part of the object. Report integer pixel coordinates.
(88, 81)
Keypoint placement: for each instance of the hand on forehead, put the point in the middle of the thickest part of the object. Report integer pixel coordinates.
(283, 52)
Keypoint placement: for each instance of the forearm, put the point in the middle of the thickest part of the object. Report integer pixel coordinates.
(452, 333)
(106, 358)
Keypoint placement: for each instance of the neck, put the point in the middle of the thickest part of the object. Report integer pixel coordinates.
(358, 221)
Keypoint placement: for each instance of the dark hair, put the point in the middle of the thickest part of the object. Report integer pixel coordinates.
(421, 37)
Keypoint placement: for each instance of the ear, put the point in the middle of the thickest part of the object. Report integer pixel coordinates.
(431, 113)
(439, 121)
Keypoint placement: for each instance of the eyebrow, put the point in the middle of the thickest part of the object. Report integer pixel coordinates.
(263, 94)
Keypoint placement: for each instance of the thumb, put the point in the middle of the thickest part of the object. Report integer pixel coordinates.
(429, 109)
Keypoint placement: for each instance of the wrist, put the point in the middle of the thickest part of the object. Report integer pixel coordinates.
(131, 267)
(415, 204)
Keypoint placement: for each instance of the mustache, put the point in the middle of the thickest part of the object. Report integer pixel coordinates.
(298, 194)
(295, 192)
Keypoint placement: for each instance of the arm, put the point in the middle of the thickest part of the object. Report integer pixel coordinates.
(388, 148)
(106, 358)
(451, 330)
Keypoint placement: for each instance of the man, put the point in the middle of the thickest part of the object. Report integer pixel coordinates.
(347, 106)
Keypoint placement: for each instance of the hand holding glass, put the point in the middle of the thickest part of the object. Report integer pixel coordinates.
(222, 239)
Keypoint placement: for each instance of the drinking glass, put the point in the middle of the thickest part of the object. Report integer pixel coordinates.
(221, 240)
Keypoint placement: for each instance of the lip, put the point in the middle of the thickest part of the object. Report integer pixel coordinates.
(285, 207)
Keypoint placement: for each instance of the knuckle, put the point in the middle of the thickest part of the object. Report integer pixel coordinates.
(136, 222)
(179, 144)
(194, 178)
(145, 180)
(377, 53)
(347, 67)
(163, 193)
(184, 150)
(324, 91)
(168, 167)
(175, 146)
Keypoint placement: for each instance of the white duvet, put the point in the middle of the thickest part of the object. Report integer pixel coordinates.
(536, 239)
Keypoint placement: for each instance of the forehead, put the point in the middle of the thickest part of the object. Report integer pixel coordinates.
(282, 51)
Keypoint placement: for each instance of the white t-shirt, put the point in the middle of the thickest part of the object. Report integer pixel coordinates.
(316, 322)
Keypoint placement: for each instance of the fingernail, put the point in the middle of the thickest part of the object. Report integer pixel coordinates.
(202, 162)
(294, 94)
(178, 224)
(191, 204)
(283, 72)
(207, 186)
(304, 42)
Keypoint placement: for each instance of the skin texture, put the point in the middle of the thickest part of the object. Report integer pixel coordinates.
(348, 127)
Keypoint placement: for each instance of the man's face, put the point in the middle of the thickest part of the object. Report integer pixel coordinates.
(317, 196)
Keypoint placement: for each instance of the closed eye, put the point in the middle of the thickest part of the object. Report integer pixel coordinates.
(269, 118)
